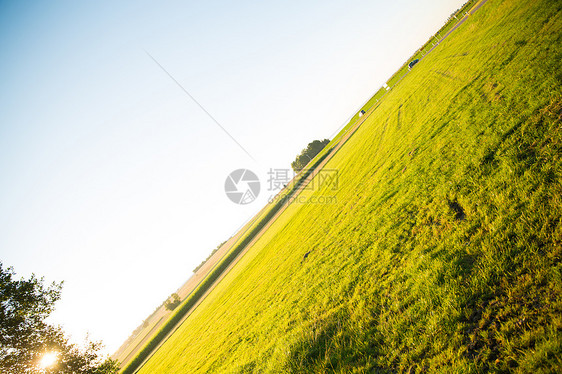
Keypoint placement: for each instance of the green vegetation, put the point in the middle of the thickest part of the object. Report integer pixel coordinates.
(308, 154)
(195, 296)
(436, 38)
(173, 302)
(170, 303)
(27, 339)
(443, 252)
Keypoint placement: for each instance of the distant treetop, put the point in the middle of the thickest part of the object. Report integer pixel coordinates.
(307, 154)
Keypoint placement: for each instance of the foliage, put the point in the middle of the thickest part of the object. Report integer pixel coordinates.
(172, 302)
(307, 154)
(25, 336)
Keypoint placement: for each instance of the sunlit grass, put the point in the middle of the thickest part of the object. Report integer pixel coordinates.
(443, 252)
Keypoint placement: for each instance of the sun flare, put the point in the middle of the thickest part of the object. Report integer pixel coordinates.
(48, 360)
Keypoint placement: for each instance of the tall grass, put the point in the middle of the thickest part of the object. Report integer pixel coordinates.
(443, 251)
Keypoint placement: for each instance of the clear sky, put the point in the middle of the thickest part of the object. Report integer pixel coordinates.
(112, 179)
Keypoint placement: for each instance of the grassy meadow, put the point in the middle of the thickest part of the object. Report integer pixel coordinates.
(243, 238)
(440, 249)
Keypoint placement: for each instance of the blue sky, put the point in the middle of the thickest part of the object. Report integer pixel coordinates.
(112, 179)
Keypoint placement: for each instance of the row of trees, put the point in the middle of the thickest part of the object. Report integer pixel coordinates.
(307, 154)
(26, 339)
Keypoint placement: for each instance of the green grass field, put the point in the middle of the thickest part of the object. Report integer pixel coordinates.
(245, 236)
(443, 250)
(433, 40)
(403, 70)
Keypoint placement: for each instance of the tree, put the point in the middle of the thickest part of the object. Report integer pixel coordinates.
(172, 302)
(25, 337)
(307, 154)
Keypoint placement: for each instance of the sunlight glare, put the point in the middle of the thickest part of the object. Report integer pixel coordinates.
(48, 360)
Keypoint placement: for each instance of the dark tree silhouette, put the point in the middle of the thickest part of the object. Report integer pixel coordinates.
(172, 302)
(25, 336)
(307, 154)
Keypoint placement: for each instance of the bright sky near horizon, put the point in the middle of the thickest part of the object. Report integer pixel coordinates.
(112, 178)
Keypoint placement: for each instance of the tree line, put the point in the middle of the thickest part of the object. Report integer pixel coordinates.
(308, 153)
